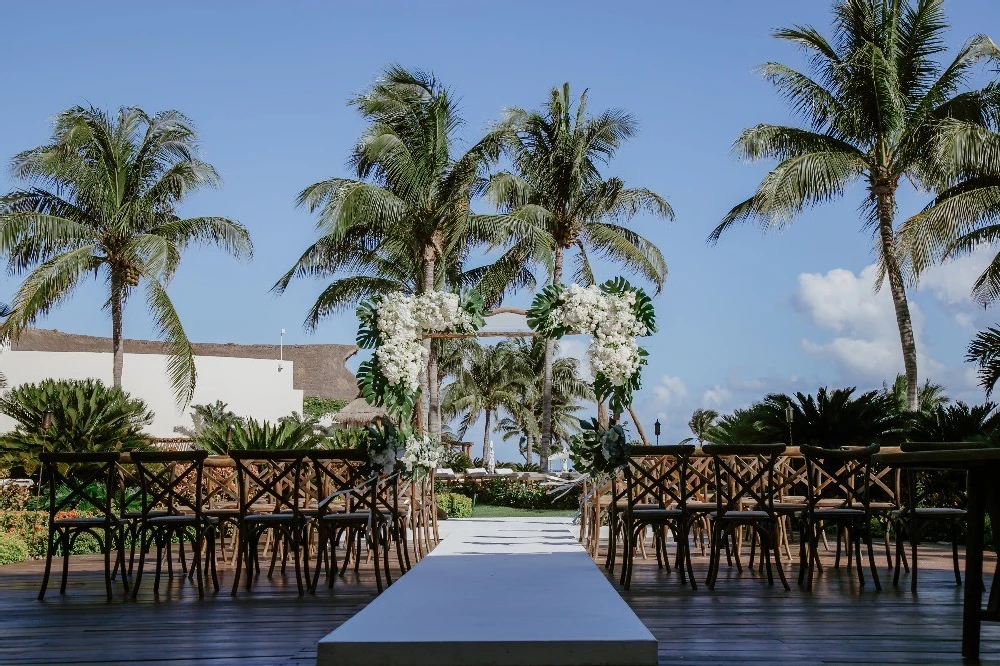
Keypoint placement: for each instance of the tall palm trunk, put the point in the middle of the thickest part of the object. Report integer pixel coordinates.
(486, 435)
(638, 427)
(550, 349)
(886, 208)
(528, 445)
(602, 414)
(425, 408)
(117, 351)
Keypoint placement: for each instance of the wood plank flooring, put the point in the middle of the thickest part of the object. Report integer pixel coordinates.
(746, 621)
(269, 625)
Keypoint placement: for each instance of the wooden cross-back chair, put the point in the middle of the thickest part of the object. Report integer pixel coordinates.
(915, 514)
(173, 508)
(222, 502)
(701, 496)
(656, 494)
(346, 511)
(80, 478)
(271, 478)
(389, 490)
(839, 496)
(744, 493)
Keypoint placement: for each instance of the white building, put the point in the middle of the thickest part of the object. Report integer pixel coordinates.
(249, 378)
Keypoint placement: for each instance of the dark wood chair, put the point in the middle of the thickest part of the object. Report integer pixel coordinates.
(173, 509)
(839, 496)
(914, 515)
(90, 481)
(346, 512)
(745, 499)
(270, 486)
(656, 482)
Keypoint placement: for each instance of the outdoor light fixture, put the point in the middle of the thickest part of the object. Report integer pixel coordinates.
(47, 418)
(229, 437)
(281, 351)
(789, 416)
(656, 431)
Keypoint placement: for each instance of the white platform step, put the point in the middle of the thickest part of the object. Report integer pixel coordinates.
(496, 592)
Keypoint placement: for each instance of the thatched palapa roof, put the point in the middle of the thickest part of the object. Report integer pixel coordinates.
(358, 413)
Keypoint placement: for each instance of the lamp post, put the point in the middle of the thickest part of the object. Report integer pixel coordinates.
(656, 431)
(281, 351)
(789, 417)
(229, 437)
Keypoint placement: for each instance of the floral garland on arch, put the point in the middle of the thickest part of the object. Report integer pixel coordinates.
(421, 456)
(394, 326)
(614, 314)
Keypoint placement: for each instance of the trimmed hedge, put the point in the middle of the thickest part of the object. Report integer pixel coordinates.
(455, 505)
(12, 549)
(517, 494)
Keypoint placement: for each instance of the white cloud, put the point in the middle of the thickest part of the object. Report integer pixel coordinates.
(866, 344)
(670, 391)
(576, 348)
(506, 321)
(951, 281)
(717, 396)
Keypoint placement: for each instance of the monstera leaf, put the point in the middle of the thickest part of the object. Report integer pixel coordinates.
(472, 304)
(643, 309)
(368, 334)
(597, 451)
(540, 313)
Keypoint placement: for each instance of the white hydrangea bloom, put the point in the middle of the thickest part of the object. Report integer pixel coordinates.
(610, 320)
(421, 455)
(402, 322)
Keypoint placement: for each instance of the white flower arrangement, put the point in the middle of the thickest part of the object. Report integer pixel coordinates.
(402, 322)
(610, 320)
(421, 455)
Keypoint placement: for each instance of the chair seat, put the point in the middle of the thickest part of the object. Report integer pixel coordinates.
(273, 518)
(360, 517)
(83, 521)
(831, 514)
(788, 507)
(137, 515)
(183, 519)
(222, 513)
(657, 513)
(701, 507)
(743, 515)
(883, 506)
(933, 512)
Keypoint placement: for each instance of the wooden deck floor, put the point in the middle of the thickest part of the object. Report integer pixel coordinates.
(742, 621)
(746, 621)
(269, 626)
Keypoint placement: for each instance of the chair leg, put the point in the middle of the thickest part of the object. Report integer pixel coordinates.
(776, 543)
(857, 556)
(954, 552)
(871, 563)
(687, 556)
(49, 553)
(107, 564)
(238, 544)
(65, 568)
(914, 539)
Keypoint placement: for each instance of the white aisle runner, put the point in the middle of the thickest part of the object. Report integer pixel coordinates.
(496, 592)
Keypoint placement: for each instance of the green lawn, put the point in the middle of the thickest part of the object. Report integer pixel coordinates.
(488, 511)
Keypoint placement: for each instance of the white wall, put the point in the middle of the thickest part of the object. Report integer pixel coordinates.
(251, 387)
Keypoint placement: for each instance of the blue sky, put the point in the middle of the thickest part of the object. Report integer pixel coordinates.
(266, 84)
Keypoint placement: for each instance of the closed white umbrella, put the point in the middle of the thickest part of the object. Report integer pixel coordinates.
(491, 459)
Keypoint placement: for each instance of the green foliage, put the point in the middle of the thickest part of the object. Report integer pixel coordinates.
(543, 305)
(13, 549)
(516, 493)
(455, 505)
(211, 415)
(347, 438)
(32, 528)
(955, 423)
(831, 418)
(385, 444)
(596, 450)
(86, 416)
(455, 460)
(316, 407)
(261, 435)
(701, 423)
(984, 351)
(14, 497)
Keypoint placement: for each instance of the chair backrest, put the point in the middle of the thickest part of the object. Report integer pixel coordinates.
(916, 485)
(272, 478)
(744, 474)
(843, 475)
(914, 447)
(343, 474)
(658, 475)
(84, 476)
(171, 481)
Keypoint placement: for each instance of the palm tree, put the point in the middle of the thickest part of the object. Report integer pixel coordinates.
(100, 200)
(984, 351)
(4, 313)
(878, 106)
(701, 423)
(930, 396)
(404, 223)
(556, 185)
(490, 382)
(568, 390)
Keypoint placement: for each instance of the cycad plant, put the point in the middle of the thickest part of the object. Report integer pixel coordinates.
(957, 422)
(252, 434)
(930, 397)
(100, 200)
(879, 108)
(555, 184)
(403, 223)
(86, 416)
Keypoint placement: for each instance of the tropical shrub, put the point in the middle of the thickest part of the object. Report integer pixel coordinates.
(455, 505)
(456, 460)
(32, 528)
(13, 497)
(216, 414)
(260, 436)
(86, 416)
(517, 494)
(955, 423)
(597, 450)
(13, 549)
(347, 438)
